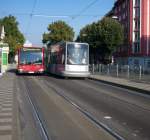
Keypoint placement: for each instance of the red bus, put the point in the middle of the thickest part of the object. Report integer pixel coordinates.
(30, 60)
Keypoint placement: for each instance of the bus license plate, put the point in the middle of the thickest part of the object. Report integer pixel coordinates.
(31, 72)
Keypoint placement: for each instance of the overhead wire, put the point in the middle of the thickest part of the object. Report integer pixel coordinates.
(73, 16)
(79, 14)
(56, 16)
(30, 18)
(85, 9)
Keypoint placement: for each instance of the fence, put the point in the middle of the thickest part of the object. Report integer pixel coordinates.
(122, 71)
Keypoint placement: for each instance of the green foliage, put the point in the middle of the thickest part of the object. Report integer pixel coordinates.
(103, 37)
(12, 34)
(111, 33)
(90, 35)
(58, 31)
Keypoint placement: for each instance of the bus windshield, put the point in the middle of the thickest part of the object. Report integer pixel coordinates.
(30, 57)
(77, 54)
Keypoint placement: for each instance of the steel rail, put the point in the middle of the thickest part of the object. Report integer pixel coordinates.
(40, 125)
(86, 113)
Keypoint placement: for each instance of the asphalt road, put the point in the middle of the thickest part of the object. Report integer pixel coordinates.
(61, 120)
(27, 128)
(125, 112)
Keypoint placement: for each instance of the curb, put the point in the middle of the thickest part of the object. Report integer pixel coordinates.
(146, 92)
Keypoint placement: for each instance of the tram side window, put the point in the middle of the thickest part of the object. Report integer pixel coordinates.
(58, 58)
(52, 58)
(49, 58)
(55, 58)
(61, 57)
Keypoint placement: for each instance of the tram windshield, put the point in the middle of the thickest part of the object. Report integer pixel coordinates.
(77, 54)
(30, 57)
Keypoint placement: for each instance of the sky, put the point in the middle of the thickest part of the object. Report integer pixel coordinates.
(76, 13)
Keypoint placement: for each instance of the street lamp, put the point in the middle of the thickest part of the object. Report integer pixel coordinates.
(84, 35)
(2, 36)
(115, 17)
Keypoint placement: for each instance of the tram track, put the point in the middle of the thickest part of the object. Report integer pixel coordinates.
(127, 119)
(60, 117)
(44, 91)
(86, 113)
(40, 125)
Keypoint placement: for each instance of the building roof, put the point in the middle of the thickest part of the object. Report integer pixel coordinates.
(110, 13)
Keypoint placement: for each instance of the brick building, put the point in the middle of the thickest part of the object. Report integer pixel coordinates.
(134, 15)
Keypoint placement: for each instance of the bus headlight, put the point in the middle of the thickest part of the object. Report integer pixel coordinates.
(41, 70)
(20, 70)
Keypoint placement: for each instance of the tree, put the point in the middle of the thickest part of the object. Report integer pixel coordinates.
(89, 34)
(103, 37)
(111, 33)
(58, 31)
(13, 36)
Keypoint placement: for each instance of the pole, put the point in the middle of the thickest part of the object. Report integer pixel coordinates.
(93, 69)
(128, 71)
(140, 76)
(108, 69)
(117, 70)
(100, 65)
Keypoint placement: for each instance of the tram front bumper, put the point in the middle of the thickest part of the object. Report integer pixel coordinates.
(75, 74)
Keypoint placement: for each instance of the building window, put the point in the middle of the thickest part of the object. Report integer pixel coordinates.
(137, 12)
(124, 15)
(137, 25)
(123, 5)
(137, 3)
(127, 3)
(137, 37)
(136, 47)
(115, 11)
(119, 18)
(119, 8)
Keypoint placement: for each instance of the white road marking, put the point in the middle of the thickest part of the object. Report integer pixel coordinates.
(107, 117)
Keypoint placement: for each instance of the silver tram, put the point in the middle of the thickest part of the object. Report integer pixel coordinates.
(68, 59)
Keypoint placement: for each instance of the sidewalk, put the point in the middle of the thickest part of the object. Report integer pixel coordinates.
(7, 107)
(125, 83)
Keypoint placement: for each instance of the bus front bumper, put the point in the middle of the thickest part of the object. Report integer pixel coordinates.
(28, 71)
